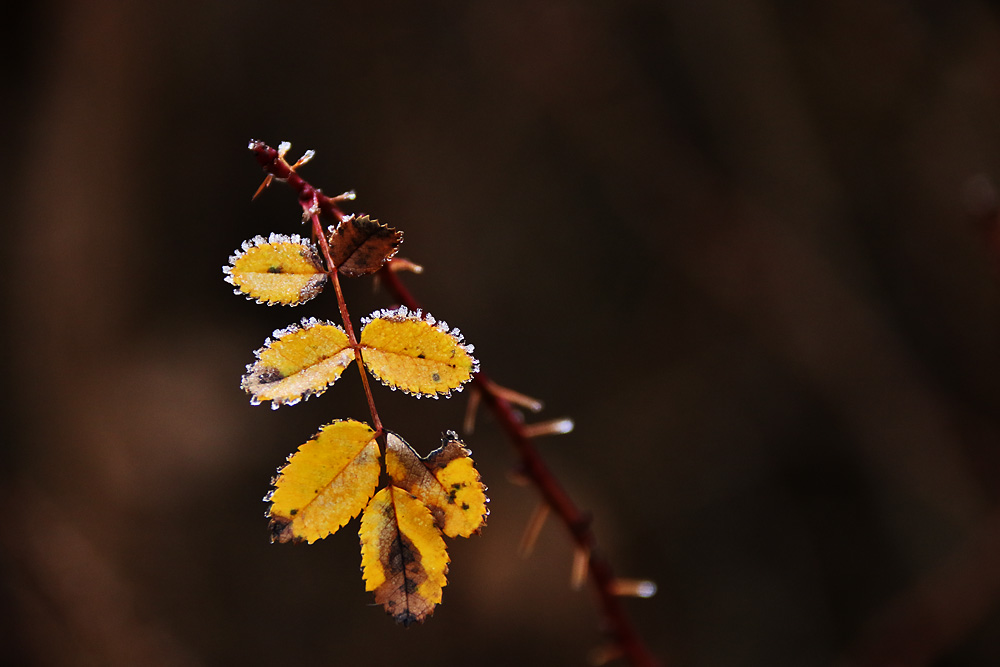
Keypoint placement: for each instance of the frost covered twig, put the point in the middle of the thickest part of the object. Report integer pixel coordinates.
(625, 638)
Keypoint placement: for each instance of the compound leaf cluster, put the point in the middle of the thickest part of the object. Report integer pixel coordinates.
(333, 477)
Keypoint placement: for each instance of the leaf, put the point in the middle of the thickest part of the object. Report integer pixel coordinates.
(446, 481)
(298, 363)
(360, 245)
(408, 350)
(403, 555)
(326, 483)
(281, 269)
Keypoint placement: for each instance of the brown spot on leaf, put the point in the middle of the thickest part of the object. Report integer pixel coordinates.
(313, 287)
(281, 530)
(404, 574)
(265, 375)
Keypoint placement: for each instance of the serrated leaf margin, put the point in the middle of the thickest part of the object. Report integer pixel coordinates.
(258, 241)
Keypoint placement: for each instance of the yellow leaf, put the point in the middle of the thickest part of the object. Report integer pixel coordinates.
(403, 555)
(325, 484)
(298, 363)
(446, 482)
(280, 269)
(408, 350)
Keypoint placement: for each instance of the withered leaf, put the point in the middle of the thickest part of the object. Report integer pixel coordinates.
(360, 245)
(403, 555)
(326, 483)
(446, 481)
(301, 361)
(278, 270)
(409, 350)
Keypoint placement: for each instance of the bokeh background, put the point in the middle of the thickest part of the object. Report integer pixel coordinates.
(750, 247)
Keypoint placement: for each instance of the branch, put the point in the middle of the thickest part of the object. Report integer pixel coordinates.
(555, 495)
(578, 523)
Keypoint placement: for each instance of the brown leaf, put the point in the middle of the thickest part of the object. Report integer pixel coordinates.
(360, 245)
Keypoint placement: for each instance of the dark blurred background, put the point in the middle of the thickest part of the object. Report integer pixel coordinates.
(750, 247)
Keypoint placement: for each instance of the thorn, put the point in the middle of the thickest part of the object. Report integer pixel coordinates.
(635, 588)
(511, 396)
(518, 477)
(346, 196)
(308, 155)
(581, 564)
(399, 264)
(533, 529)
(309, 210)
(602, 655)
(283, 149)
(471, 408)
(263, 186)
(551, 427)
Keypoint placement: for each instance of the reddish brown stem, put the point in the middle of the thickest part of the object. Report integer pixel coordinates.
(317, 230)
(309, 196)
(577, 522)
